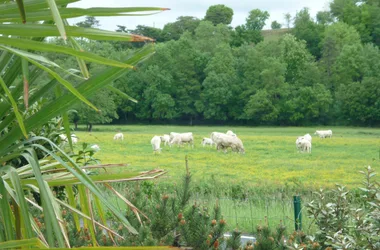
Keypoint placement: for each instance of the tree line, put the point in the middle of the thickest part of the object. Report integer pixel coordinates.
(324, 70)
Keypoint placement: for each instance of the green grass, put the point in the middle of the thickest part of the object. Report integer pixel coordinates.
(271, 158)
(271, 163)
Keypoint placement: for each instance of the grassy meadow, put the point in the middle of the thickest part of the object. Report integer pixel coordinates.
(271, 157)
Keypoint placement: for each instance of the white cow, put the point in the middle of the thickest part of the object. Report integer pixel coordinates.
(179, 139)
(118, 136)
(207, 141)
(224, 141)
(304, 145)
(323, 133)
(305, 137)
(172, 134)
(214, 136)
(74, 138)
(156, 143)
(165, 139)
(229, 132)
(95, 147)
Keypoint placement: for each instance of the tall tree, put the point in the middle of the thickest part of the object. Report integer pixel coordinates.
(288, 20)
(335, 38)
(324, 17)
(219, 14)
(306, 29)
(105, 101)
(173, 31)
(217, 93)
(255, 22)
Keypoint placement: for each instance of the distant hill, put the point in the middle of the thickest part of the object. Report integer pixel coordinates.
(273, 35)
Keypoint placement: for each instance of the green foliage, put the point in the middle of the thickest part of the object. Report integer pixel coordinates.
(306, 29)
(105, 101)
(233, 242)
(275, 25)
(173, 31)
(219, 14)
(343, 224)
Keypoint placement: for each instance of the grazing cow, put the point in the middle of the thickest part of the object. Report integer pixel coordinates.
(323, 133)
(207, 141)
(179, 139)
(95, 147)
(118, 136)
(172, 134)
(305, 137)
(304, 145)
(156, 143)
(165, 139)
(74, 138)
(214, 136)
(226, 141)
(229, 132)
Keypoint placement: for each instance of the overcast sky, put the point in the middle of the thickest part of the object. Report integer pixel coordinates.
(198, 8)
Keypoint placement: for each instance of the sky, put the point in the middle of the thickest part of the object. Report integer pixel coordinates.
(198, 8)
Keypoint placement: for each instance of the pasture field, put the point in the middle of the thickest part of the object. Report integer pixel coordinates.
(271, 157)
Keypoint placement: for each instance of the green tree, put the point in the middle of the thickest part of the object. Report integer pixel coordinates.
(260, 108)
(296, 56)
(173, 31)
(335, 38)
(217, 94)
(208, 37)
(359, 102)
(147, 31)
(255, 22)
(306, 29)
(219, 14)
(275, 25)
(324, 18)
(288, 20)
(89, 22)
(309, 105)
(105, 101)
(364, 17)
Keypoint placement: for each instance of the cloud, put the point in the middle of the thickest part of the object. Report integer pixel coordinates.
(276, 9)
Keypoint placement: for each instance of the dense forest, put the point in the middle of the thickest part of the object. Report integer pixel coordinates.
(323, 70)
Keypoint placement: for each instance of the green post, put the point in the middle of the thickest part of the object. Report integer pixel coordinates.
(297, 212)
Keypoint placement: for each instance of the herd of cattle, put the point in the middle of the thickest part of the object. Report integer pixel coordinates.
(220, 140)
(226, 140)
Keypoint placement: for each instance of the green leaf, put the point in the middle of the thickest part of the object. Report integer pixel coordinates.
(78, 12)
(57, 18)
(15, 244)
(45, 30)
(20, 199)
(122, 94)
(25, 76)
(6, 212)
(81, 62)
(71, 198)
(33, 59)
(85, 204)
(47, 203)
(30, 5)
(15, 108)
(21, 7)
(48, 47)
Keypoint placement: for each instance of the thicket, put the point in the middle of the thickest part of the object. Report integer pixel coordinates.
(325, 70)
